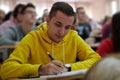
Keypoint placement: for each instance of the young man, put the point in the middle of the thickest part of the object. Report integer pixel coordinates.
(56, 37)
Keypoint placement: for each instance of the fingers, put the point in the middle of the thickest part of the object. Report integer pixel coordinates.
(59, 65)
(54, 67)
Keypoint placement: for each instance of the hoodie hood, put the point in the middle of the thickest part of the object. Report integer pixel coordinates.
(43, 30)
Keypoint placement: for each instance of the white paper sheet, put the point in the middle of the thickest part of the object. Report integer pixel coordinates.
(72, 73)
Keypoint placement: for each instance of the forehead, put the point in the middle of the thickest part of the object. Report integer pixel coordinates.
(81, 10)
(29, 9)
(63, 18)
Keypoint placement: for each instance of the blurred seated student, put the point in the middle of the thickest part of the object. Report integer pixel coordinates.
(106, 20)
(43, 18)
(106, 69)
(14, 21)
(14, 34)
(2, 15)
(94, 24)
(87, 28)
(30, 57)
(106, 27)
(111, 44)
(45, 15)
(8, 16)
(83, 28)
(95, 34)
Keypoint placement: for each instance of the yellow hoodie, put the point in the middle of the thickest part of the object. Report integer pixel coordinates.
(32, 52)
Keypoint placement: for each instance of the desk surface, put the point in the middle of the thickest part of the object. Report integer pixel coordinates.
(7, 47)
(94, 45)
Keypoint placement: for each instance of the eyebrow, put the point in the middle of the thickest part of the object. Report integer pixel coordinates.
(61, 23)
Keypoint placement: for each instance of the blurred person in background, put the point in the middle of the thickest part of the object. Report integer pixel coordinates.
(8, 16)
(83, 28)
(14, 34)
(13, 21)
(43, 18)
(106, 69)
(45, 15)
(112, 43)
(87, 28)
(106, 26)
(2, 15)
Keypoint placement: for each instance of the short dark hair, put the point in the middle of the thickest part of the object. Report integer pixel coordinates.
(7, 16)
(63, 7)
(79, 8)
(17, 10)
(26, 6)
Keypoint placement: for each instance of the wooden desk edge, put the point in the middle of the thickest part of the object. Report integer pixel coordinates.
(7, 47)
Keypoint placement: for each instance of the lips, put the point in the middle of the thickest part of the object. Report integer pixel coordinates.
(58, 36)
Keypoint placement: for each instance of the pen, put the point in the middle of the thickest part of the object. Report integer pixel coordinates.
(50, 56)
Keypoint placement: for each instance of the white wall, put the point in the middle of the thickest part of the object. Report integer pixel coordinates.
(96, 9)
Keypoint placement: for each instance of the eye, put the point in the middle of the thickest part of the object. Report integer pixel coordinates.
(68, 27)
(58, 25)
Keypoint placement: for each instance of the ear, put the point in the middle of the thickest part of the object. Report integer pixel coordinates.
(47, 19)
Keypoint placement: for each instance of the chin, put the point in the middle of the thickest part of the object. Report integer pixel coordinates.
(57, 41)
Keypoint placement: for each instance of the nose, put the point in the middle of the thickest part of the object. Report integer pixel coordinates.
(62, 31)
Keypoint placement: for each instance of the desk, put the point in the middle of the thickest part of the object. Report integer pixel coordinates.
(79, 74)
(94, 45)
(4, 50)
(27, 79)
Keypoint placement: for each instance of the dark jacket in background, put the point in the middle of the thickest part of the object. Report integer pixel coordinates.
(84, 30)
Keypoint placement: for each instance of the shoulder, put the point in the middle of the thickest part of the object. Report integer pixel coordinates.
(13, 29)
(107, 41)
(34, 33)
(106, 44)
(72, 34)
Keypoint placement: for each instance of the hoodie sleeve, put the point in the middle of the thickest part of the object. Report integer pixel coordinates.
(86, 55)
(18, 65)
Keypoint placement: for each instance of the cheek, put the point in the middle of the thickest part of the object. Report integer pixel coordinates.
(51, 31)
(67, 31)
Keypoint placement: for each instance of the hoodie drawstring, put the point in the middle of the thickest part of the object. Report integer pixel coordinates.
(63, 51)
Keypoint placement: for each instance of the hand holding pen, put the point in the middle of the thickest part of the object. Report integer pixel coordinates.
(54, 67)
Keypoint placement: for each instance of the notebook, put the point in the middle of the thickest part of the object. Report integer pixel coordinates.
(66, 74)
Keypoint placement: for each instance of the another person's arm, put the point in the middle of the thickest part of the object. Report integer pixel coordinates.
(105, 48)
